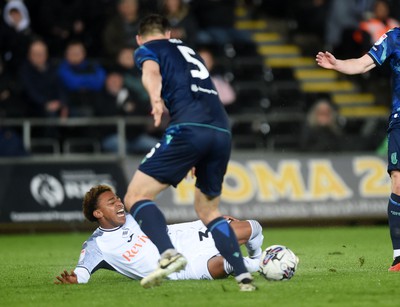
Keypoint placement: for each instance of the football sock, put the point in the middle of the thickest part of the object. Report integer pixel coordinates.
(394, 220)
(227, 244)
(152, 222)
(256, 240)
(252, 265)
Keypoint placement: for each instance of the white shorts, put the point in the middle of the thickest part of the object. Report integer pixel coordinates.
(196, 243)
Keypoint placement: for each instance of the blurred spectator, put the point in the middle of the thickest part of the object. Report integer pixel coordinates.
(41, 85)
(15, 35)
(322, 132)
(376, 26)
(81, 79)
(125, 65)
(62, 21)
(343, 18)
(225, 90)
(117, 100)
(121, 30)
(183, 24)
(11, 104)
(302, 10)
(216, 22)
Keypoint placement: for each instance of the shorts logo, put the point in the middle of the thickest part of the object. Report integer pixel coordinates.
(393, 158)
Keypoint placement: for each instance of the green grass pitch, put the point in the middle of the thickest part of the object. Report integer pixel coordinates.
(344, 266)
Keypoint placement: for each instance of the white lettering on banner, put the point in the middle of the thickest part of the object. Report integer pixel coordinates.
(376, 181)
(50, 191)
(47, 216)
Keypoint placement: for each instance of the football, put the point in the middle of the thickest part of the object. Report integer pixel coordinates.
(278, 263)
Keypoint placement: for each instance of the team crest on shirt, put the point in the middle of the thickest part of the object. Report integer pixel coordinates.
(125, 232)
(393, 158)
(380, 40)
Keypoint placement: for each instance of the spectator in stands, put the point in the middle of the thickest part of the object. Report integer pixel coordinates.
(62, 21)
(40, 83)
(11, 104)
(82, 80)
(343, 18)
(225, 90)
(183, 23)
(117, 100)
(216, 20)
(15, 35)
(321, 132)
(122, 28)
(377, 25)
(125, 65)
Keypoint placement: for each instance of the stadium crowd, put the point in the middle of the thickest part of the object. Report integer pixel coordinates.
(72, 58)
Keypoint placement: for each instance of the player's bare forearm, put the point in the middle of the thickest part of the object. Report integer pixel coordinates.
(349, 66)
(152, 82)
(66, 278)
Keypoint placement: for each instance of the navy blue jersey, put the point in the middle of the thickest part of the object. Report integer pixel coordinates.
(388, 48)
(187, 89)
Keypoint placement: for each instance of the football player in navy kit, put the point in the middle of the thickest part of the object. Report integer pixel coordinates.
(198, 137)
(118, 244)
(387, 48)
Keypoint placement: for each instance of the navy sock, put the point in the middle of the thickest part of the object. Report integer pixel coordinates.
(227, 244)
(394, 220)
(152, 222)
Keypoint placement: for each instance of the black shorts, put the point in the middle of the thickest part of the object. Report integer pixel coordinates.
(184, 146)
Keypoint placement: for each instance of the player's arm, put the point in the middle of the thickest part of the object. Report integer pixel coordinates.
(350, 67)
(152, 82)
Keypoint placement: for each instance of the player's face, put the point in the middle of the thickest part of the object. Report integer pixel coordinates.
(110, 210)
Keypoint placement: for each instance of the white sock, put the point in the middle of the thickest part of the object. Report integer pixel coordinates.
(256, 240)
(227, 267)
(252, 264)
(396, 253)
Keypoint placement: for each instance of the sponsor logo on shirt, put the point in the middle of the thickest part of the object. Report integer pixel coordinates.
(135, 249)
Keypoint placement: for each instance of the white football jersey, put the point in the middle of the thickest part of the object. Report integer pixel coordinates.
(127, 250)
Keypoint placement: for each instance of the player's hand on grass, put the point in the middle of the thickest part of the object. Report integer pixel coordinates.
(157, 111)
(66, 278)
(326, 60)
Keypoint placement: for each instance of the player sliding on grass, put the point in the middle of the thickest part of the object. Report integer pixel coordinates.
(120, 245)
(198, 136)
(387, 48)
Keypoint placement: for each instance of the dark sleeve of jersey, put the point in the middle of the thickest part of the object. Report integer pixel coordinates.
(383, 48)
(143, 54)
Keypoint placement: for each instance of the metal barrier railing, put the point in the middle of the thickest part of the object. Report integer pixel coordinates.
(121, 123)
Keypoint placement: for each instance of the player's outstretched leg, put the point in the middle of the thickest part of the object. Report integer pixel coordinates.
(227, 244)
(394, 225)
(153, 224)
(254, 244)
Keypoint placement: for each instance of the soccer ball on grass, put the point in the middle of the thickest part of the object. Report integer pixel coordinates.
(278, 263)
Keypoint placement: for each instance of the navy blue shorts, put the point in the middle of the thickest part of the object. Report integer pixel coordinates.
(190, 145)
(394, 148)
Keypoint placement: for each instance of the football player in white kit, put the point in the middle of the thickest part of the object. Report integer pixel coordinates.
(120, 245)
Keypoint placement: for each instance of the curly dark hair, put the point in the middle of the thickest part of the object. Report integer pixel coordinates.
(89, 203)
(153, 24)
